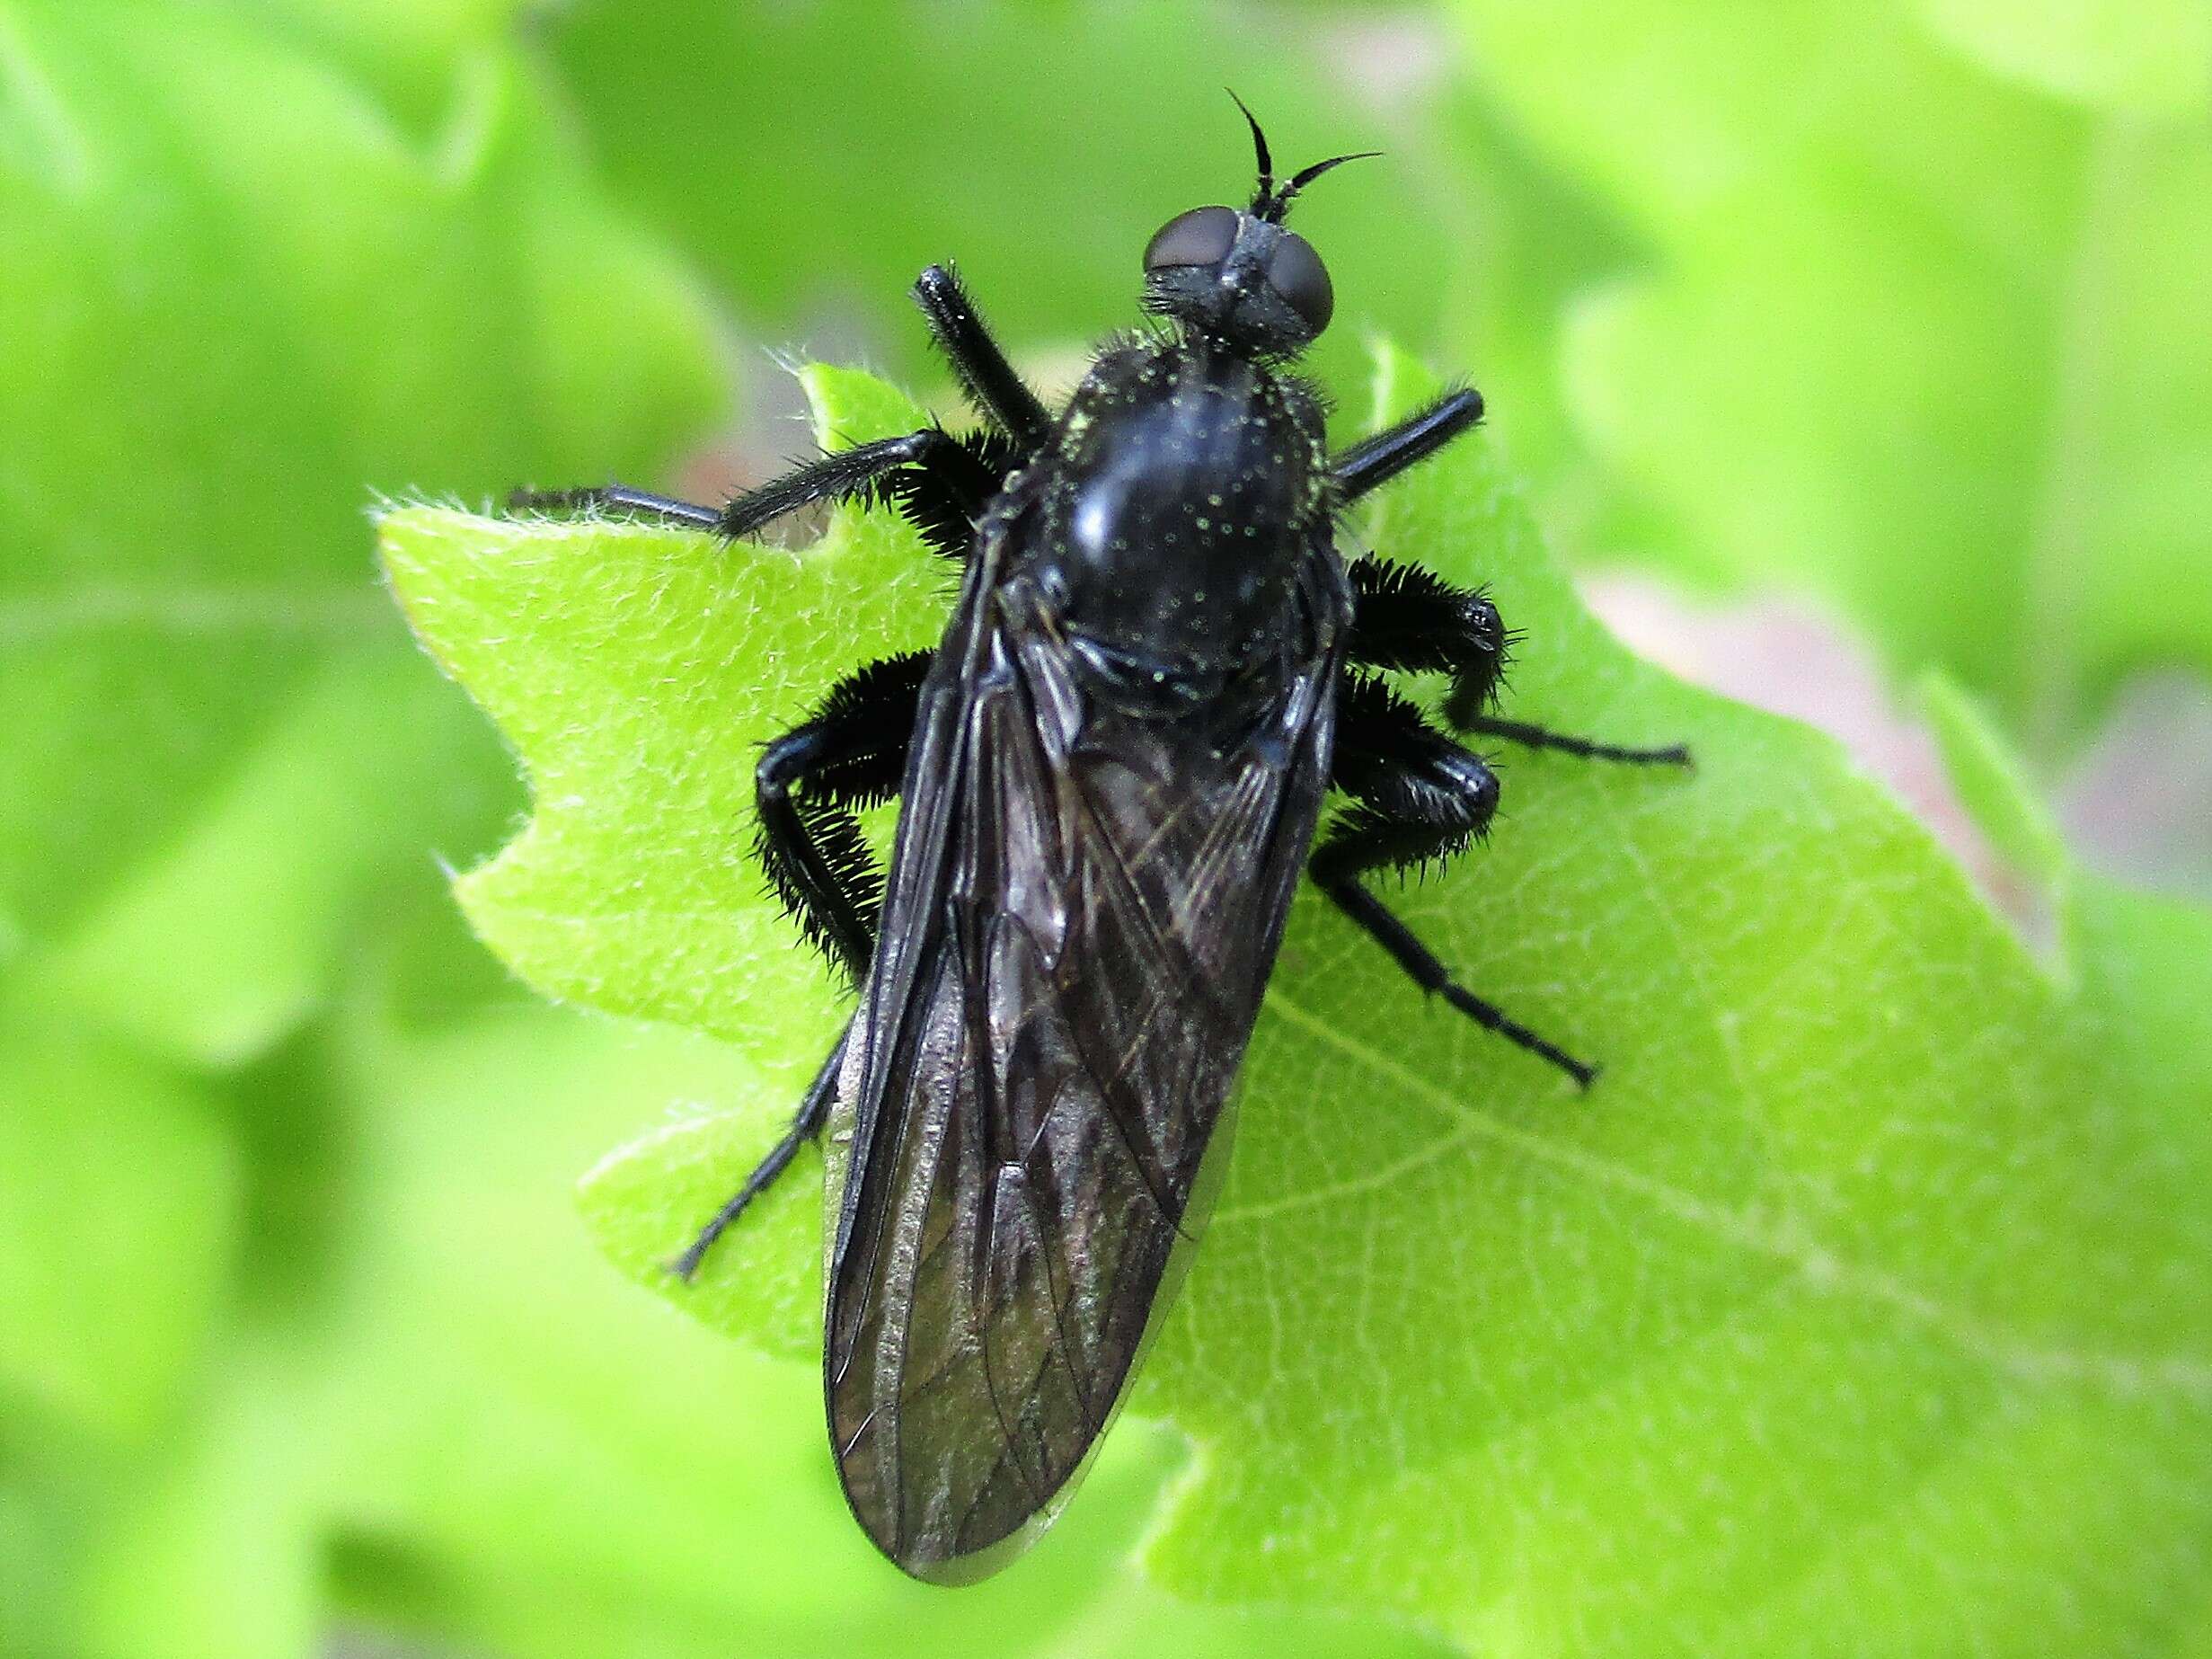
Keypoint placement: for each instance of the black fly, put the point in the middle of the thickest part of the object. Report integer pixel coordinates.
(1113, 769)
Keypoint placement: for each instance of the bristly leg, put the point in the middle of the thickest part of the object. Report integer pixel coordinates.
(864, 472)
(618, 498)
(1407, 618)
(851, 754)
(1539, 737)
(943, 503)
(813, 1116)
(1411, 620)
(939, 482)
(1419, 797)
(1374, 462)
(808, 790)
(809, 785)
(999, 394)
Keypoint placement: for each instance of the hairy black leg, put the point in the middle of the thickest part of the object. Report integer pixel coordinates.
(812, 1115)
(810, 783)
(1375, 461)
(943, 501)
(985, 374)
(1423, 967)
(1406, 619)
(807, 790)
(689, 515)
(940, 482)
(959, 474)
(1539, 737)
(1419, 796)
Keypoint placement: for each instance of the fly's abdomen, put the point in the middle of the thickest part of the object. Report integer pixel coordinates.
(1041, 1084)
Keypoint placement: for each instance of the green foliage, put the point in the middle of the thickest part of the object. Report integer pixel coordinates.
(530, 1453)
(650, 662)
(1941, 363)
(234, 294)
(98, 1330)
(1888, 1238)
(1912, 330)
(943, 143)
(1848, 1313)
(210, 356)
(297, 1326)
(2152, 58)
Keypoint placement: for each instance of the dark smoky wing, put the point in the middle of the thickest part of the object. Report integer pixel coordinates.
(1071, 969)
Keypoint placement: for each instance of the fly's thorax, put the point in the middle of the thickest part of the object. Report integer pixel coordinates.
(1176, 506)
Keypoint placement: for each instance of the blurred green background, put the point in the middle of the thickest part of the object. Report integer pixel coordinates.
(1896, 310)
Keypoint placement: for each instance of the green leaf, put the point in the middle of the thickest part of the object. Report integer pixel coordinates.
(212, 367)
(413, 55)
(1850, 1312)
(207, 1547)
(119, 1210)
(630, 1482)
(242, 291)
(661, 649)
(2151, 58)
(1909, 331)
(216, 948)
(942, 142)
(1992, 785)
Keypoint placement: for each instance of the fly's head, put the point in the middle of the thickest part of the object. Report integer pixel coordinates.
(1236, 275)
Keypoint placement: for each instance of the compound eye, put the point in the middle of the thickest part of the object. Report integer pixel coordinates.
(1296, 273)
(1202, 236)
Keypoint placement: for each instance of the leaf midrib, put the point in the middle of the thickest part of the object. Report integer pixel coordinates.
(2117, 1374)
